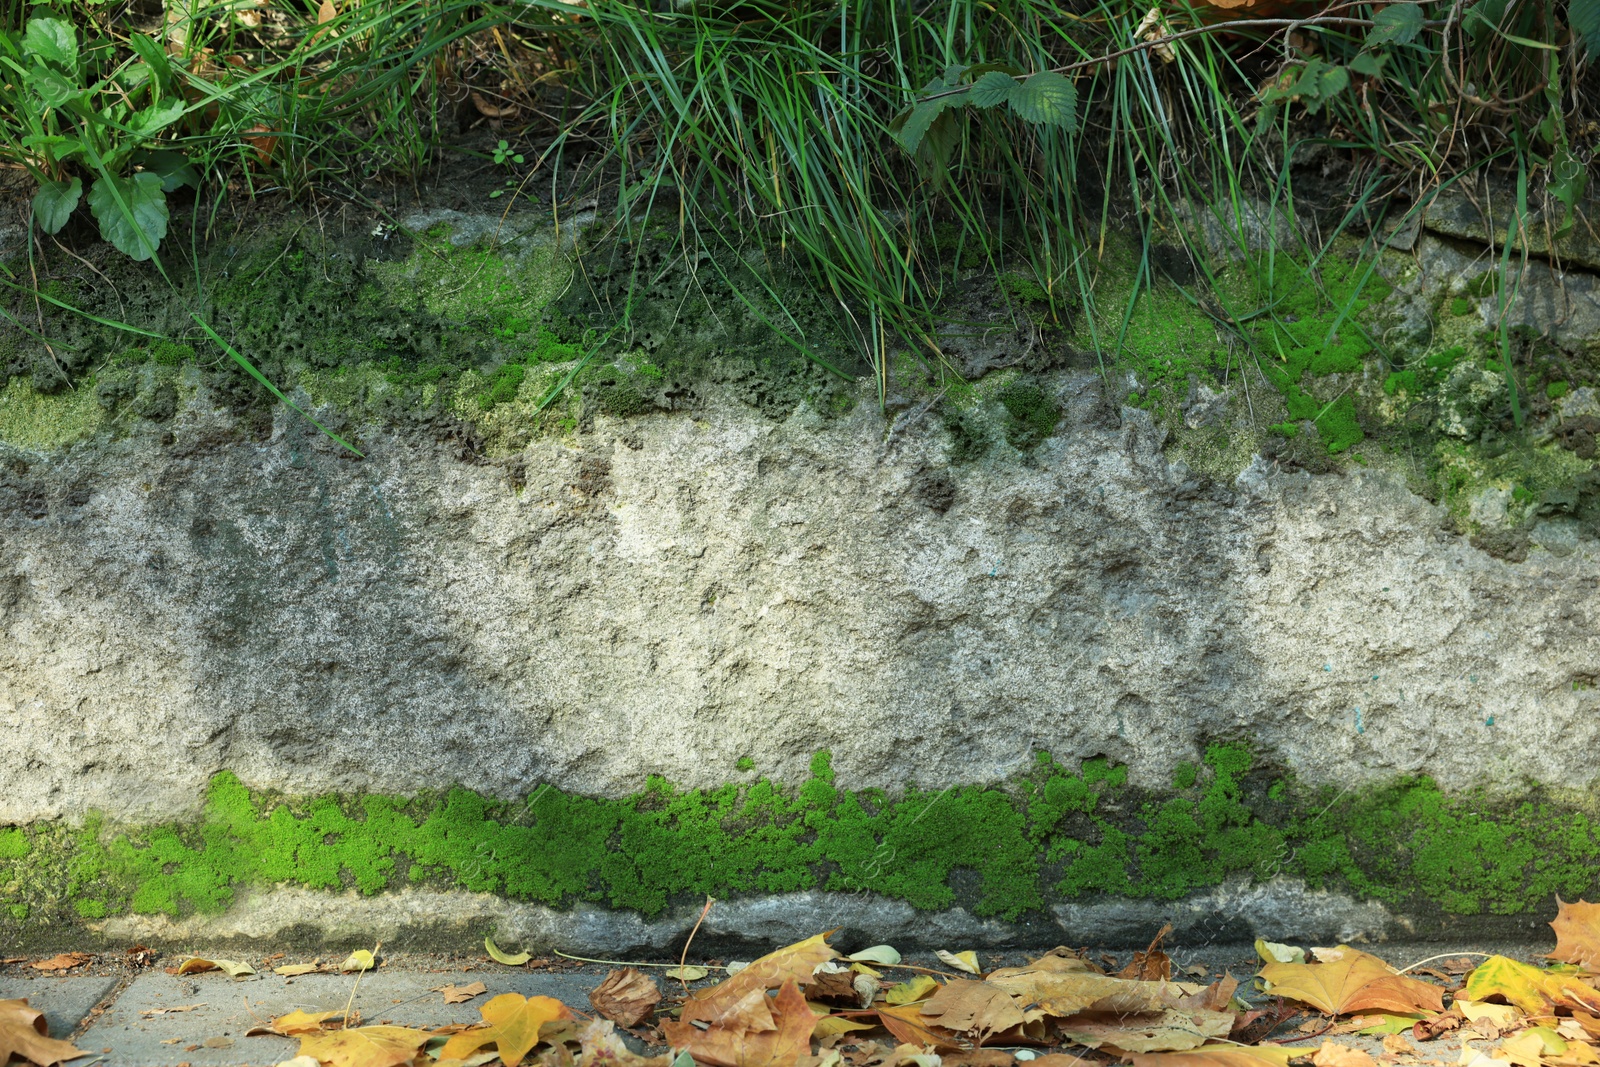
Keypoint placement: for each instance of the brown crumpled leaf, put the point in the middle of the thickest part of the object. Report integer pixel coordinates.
(460, 994)
(1173, 1030)
(1352, 981)
(1064, 985)
(24, 1033)
(977, 1009)
(627, 997)
(1151, 965)
(64, 962)
(1333, 1054)
(769, 1032)
(1577, 928)
(834, 983)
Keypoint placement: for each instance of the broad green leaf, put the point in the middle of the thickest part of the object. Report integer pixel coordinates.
(1368, 63)
(53, 145)
(1396, 24)
(992, 89)
(1483, 17)
(1047, 99)
(54, 89)
(132, 212)
(1584, 16)
(921, 117)
(149, 121)
(173, 168)
(52, 40)
(53, 204)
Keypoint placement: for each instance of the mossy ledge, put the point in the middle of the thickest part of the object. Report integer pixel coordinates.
(1002, 852)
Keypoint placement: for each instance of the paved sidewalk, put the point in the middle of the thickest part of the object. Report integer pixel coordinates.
(126, 1017)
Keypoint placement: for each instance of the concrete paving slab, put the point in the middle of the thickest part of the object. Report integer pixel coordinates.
(143, 1030)
(66, 1002)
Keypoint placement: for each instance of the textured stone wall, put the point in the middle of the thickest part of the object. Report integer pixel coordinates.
(669, 594)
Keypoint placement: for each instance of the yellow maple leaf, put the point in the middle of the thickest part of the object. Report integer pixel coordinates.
(1354, 981)
(514, 1021)
(1535, 991)
(365, 1046)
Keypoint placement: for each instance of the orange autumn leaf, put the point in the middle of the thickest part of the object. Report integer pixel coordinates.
(909, 1026)
(1577, 928)
(24, 1033)
(1535, 991)
(514, 1021)
(366, 1046)
(1355, 981)
(741, 1041)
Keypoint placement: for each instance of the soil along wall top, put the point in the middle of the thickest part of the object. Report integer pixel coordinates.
(717, 596)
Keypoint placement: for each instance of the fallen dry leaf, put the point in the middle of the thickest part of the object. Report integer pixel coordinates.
(365, 1046)
(24, 1033)
(977, 1009)
(602, 1047)
(460, 994)
(65, 961)
(1395, 1045)
(294, 970)
(299, 1023)
(175, 1009)
(499, 955)
(627, 997)
(962, 961)
(781, 1045)
(1171, 1031)
(690, 973)
(918, 988)
(1577, 928)
(794, 962)
(1333, 1054)
(907, 1023)
(1063, 986)
(199, 965)
(1151, 965)
(1218, 1056)
(359, 960)
(514, 1022)
(1529, 988)
(1354, 981)
(830, 1025)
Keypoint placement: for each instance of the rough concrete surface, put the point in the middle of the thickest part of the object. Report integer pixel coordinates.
(141, 1027)
(669, 594)
(64, 1002)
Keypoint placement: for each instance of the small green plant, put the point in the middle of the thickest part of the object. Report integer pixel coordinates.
(504, 156)
(68, 112)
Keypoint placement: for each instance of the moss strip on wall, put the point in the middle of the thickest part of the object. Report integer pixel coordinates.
(1003, 852)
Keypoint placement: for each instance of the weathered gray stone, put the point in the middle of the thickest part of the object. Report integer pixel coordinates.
(669, 594)
(65, 1002)
(1482, 216)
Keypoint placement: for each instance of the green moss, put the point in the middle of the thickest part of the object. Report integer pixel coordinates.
(1031, 414)
(1557, 390)
(33, 420)
(746, 764)
(14, 844)
(1000, 851)
(1460, 306)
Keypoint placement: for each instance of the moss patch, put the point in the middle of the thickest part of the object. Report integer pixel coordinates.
(1059, 833)
(39, 421)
